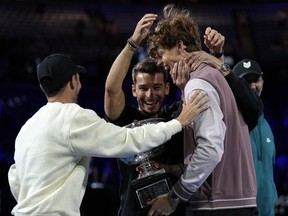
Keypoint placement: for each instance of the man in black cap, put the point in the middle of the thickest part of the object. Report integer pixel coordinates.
(262, 141)
(250, 70)
(53, 148)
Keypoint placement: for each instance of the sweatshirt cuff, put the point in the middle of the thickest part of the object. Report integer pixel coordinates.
(181, 192)
(175, 124)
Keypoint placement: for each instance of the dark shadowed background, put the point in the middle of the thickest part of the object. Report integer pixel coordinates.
(93, 33)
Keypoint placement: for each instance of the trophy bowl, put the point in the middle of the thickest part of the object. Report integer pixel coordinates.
(145, 159)
(151, 183)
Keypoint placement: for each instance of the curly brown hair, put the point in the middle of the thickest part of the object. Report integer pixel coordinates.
(175, 25)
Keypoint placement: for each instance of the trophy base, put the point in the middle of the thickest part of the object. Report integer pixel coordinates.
(149, 187)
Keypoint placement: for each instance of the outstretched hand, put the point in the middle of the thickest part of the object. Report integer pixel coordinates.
(214, 40)
(142, 28)
(196, 105)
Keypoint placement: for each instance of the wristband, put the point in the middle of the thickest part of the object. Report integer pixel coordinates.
(132, 45)
(174, 197)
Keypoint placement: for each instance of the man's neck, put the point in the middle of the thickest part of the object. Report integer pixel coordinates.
(156, 115)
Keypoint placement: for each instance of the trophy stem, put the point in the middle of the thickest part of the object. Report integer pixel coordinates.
(146, 167)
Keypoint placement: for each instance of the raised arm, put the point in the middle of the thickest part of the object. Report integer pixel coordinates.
(214, 41)
(248, 102)
(114, 98)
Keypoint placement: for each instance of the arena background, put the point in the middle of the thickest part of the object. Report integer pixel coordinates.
(93, 33)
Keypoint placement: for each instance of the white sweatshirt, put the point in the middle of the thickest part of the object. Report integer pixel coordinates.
(53, 150)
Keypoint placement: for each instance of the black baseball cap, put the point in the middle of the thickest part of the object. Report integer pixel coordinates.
(59, 68)
(247, 66)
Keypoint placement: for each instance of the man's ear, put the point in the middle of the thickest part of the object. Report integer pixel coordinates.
(41, 88)
(167, 88)
(180, 45)
(133, 88)
(73, 81)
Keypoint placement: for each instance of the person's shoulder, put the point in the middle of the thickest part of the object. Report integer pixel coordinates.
(128, 115)
(74, 106)
(173, 110)
(61, 106)
(175, 105)
(205, 67)
(74, 109)
(205, 70)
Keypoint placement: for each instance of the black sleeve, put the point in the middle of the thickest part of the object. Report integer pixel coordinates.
(249, 103)
(127, 116)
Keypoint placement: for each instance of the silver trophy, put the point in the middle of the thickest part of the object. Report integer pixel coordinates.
(151, 183)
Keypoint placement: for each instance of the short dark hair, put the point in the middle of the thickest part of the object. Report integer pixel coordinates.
(148, 65)
(48, 87)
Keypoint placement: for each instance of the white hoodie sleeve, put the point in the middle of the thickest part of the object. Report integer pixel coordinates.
(96, 137)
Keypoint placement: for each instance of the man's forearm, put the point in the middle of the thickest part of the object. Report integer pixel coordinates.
(119, 70)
